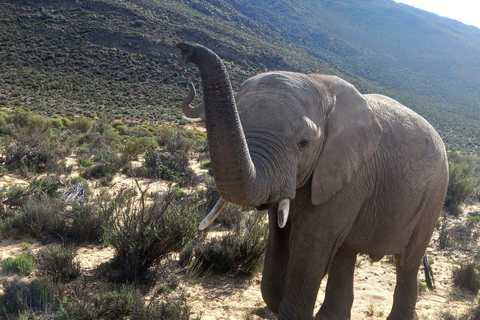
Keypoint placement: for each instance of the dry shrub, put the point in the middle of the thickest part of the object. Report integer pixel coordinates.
(467, 276)
(142, 231)
(58, 263)
(239, 252)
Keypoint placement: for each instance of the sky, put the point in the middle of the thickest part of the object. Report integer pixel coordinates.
(466, 11)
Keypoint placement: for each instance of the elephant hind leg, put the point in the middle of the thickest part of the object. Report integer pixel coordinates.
(408, 263)
(406, 289)
(339, 294)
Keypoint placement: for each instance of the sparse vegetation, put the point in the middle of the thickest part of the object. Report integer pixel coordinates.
(467, 276)
(372, 310)
(422, 287)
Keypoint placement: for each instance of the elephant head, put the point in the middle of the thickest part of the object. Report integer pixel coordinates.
(282, 131)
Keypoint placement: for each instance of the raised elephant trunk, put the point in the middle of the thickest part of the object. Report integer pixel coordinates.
(236, 177)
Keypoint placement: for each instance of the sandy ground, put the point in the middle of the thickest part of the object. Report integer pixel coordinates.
(228, 297)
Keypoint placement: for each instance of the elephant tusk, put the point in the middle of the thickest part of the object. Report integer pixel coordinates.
(195, 120)
(282, 213)
(213, 214)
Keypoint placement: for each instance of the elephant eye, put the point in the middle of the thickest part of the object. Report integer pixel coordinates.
(303, 144)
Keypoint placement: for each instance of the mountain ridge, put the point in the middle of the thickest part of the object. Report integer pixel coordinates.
(117, 59)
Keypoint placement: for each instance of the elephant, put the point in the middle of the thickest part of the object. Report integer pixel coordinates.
(340, 173)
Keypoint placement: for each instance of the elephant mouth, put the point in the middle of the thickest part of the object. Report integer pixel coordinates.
(264, 206)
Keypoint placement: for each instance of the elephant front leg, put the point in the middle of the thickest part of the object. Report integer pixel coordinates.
(339, 294)
(276, 260)
(309, 259)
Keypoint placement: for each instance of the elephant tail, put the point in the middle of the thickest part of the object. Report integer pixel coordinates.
(428, 273)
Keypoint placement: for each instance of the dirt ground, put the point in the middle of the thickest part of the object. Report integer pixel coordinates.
(229, 297)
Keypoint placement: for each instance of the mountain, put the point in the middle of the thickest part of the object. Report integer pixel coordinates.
(117, 58)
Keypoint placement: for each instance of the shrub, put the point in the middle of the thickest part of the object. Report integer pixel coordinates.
(26, 246)
(462, 182)
(240, 251)
(41, 217)
(463, 234)
(18, 265)
(172, 308)
(473, 314)
(81, 124)
(467, 276)
(58, 263)
(48, 186)
(56, 123)
(475, 219)
(143, 233)
(210, 194)
(124, 303)
(35, 145)
(88, 221)
(232, 217)
(136, 146)
(15, 196)
(107, 164)
(115, 304)
(116, 123)
(444, 238)
(19, 296)
(422, 287)
(167, 166)
(174, 140)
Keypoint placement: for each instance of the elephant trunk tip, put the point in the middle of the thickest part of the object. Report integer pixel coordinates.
(186, 50)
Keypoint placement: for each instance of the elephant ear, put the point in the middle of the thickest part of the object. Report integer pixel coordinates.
(351, 137)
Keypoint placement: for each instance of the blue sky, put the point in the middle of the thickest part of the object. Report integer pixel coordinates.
(466, 11)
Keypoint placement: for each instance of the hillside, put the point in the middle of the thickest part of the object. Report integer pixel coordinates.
(116, 58)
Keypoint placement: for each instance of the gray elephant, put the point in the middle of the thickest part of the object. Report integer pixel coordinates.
(341, 173)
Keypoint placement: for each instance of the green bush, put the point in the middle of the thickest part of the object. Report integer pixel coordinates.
(475, 219)
(143, 232)
(467, 276)
(116, 123)
(58, 263)
(18, 265)
(81, 124)
(174, 140)
(241, 251)
(462, 182)
(136, 146)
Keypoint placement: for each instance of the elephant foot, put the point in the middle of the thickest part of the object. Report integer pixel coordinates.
(397, 316)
